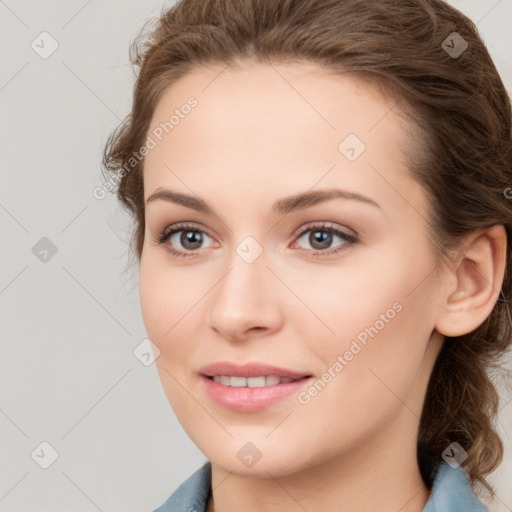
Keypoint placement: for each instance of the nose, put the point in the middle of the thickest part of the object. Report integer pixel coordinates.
(246, 301)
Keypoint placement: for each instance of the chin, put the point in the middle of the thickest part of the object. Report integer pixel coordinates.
(276, 462)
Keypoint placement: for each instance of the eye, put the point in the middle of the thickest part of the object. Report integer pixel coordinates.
(184, 239)
(321, 236)
(189, 236)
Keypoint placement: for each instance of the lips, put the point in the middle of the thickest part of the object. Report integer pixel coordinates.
(227, 369)
(251, 387)
(251, 382)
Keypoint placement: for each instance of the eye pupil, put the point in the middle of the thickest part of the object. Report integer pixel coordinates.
(195, 238)
(322, 238)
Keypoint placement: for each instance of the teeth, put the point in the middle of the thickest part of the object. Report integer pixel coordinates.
(256, 382)
(224, 380)
(238, 382)
(251, 382)
(272, 380)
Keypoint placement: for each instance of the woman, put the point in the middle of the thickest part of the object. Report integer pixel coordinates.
(319, 190)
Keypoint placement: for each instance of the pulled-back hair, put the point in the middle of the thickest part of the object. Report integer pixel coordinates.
(460, 149)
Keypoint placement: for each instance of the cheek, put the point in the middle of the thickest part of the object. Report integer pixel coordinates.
(339, 303)
(369, 372)
(376, 316)
(152, 283)
(168, 296)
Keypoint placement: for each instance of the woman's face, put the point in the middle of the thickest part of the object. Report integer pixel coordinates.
(338, 289)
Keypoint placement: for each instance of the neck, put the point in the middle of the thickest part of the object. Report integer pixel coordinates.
(380, 474)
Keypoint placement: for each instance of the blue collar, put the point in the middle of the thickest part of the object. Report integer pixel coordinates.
(451, 492)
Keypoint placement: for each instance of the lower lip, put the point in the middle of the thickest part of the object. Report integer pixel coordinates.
(245, 399)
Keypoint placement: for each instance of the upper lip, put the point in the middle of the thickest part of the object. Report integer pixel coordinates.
(249, 370)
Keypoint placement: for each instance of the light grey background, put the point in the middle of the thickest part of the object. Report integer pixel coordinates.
(68, 374)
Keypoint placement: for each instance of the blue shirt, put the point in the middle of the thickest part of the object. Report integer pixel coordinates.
(451, 492)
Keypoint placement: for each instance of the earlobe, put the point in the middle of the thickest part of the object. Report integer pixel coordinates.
(478, 276)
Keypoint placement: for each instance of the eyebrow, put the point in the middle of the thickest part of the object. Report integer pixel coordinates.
(282, 206)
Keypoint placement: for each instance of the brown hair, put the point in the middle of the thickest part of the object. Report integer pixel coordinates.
(461, 149)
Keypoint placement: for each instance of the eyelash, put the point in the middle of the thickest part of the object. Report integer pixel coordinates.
(349, 240)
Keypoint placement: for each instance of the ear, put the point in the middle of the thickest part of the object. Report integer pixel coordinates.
(478, 276)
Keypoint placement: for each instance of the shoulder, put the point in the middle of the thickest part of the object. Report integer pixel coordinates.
(452, 492)
(192, 495)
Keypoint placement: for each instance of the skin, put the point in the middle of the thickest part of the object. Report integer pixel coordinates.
(260, 133)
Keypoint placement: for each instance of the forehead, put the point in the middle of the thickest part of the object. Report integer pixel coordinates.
(270, 125)
(286, 91)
